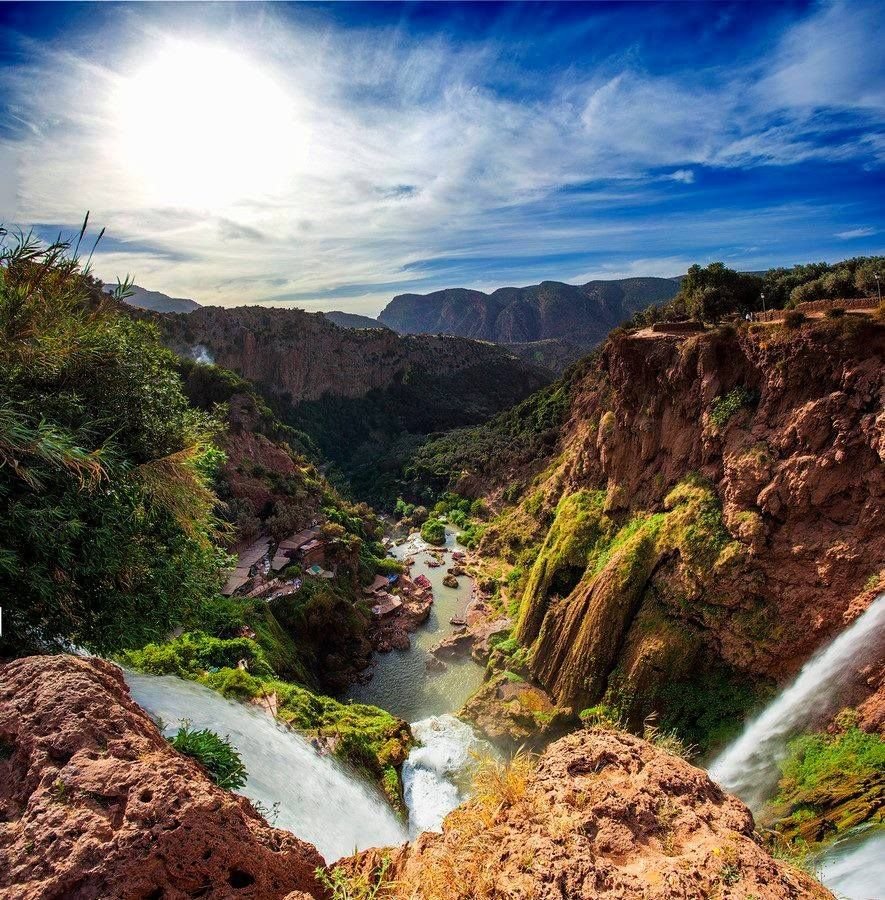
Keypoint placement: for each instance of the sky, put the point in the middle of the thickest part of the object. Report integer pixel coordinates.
(330, 156)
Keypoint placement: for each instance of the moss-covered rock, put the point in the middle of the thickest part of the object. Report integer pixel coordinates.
(830, 783)
(367, 737)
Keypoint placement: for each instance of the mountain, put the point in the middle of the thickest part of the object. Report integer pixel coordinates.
(157, 302)
(580, 314)
(351, 320)
(361, 394)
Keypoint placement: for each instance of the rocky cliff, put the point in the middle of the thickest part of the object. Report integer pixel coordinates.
(579, 314)
(604, 815)
(95, 803)
(713, 512)
(305, 356)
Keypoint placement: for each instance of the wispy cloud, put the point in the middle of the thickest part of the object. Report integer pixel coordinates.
(406, 160)
(853, 233)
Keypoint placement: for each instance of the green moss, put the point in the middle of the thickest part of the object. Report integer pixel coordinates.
(579, 525)
(816, 759)
(365, 736)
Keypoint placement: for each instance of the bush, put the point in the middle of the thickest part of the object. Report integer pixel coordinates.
(835, 312)
(214, 753)
(434, 532)
(724, 407)
(793, 318)
(106, 520)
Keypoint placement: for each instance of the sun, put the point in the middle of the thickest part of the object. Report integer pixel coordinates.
(205, 126)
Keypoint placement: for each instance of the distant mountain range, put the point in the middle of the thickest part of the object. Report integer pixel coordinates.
(580, 314)
(157, 302)
(352, 320)
(551, 323)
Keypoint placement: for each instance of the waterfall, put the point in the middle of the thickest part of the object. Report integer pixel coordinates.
(749, 767)
(855, 866)
(320, 801)
(434, 771)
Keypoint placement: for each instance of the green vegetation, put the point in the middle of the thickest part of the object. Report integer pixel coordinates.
(434, 532)
(830, 783)
(728, 405)
(214, 753)
(524, 433)
(106, 509)
(707, 708)
(713, 292)
(344, 885)
(368, 738)
(818, 759)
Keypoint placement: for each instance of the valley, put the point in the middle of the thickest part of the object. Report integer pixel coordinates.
(417, 591)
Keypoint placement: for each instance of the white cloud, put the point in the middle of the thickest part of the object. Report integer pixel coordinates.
(397, 155)
(855, 233)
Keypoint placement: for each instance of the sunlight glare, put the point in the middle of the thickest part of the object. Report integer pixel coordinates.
(204, 126)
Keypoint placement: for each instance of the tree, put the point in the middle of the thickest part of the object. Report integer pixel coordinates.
(714, 291)
(106, 509)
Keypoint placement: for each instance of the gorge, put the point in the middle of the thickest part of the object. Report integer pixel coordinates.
(680, 537)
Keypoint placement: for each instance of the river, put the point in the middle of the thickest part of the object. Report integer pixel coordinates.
(401, 682)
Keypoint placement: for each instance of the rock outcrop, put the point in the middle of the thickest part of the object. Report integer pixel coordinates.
(581, 315)
(604, 816)
(715, 505)
(304, 356)
(95, 803)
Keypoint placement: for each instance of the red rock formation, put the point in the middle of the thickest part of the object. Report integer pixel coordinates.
(606, 816)
(305, 356)
(95, 803)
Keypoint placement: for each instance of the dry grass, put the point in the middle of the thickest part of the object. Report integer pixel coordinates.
(465, 865)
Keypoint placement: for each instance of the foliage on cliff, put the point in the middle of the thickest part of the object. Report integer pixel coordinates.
(106, 519)
(367, 737)
(830, 783)
(510, 439)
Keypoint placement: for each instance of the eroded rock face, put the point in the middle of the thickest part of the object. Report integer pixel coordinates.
(605, 815)
(303, 356)
(95, 803)
(795, 511)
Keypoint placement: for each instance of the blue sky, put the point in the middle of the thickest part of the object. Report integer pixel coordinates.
(331, 156)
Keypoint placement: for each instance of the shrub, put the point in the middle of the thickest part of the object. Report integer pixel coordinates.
(214, 753)
(724, 407)
(835, 312)
(793, 318)
(106, 521)
(434, 532)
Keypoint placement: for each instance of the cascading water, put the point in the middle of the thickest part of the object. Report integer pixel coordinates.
(320, 801)
(749, 767)
(433, 771)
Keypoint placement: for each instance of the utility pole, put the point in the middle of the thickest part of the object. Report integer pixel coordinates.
(878, 286)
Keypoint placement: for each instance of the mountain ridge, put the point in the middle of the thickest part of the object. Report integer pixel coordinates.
(581, 314)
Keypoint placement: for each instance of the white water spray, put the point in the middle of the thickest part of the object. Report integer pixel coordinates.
(319, 800)
(433, 772)
(749, 767)
(200, 353)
